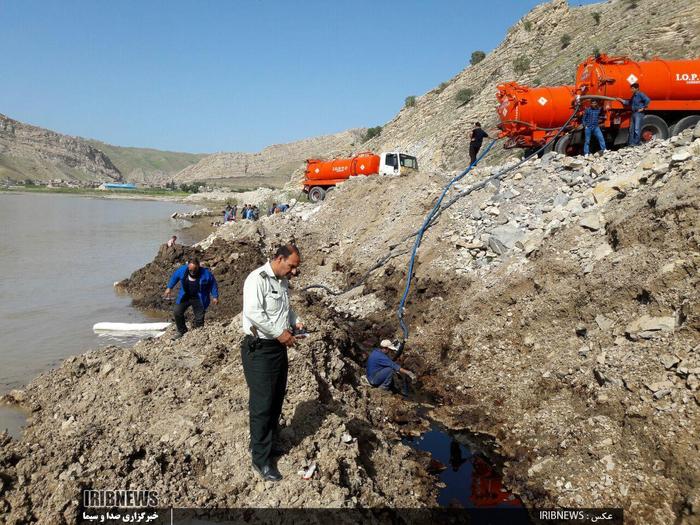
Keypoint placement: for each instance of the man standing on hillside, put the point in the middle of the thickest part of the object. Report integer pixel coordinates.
(638, 103)
(478, 136)
(591, 121)
(269, 324)
(196, 285)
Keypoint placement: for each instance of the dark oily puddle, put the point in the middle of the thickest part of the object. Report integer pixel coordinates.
(466, 477)
(12, 419)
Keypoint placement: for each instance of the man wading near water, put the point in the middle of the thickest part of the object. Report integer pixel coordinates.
(269, 325)
(196, 285)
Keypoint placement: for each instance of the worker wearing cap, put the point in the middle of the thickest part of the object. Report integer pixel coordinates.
(381, 369)
(638, 103)
(268, 324)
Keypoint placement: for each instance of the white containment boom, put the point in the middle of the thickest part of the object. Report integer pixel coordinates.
(130, 327)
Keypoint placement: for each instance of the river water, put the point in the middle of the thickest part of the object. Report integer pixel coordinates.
(61, 255)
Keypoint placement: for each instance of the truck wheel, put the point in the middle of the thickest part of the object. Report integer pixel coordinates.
(654, 127)
(565, 146)
(686, 122)
(317, 194)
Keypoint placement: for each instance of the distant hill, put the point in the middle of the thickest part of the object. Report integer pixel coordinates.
(546, 44)
(271, 166)
(38, 154)
(30, 152)
(147, 165)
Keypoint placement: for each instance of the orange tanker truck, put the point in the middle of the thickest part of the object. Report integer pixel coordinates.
(530, 116)
(672, 85)
(321, 176)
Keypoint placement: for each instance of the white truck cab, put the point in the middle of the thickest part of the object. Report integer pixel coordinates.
(397, 163)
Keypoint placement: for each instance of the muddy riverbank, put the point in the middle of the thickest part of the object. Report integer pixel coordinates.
(555, 313)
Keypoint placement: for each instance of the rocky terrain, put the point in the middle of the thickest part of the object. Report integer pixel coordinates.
(556, 310)
(436, 129)
(29, 152)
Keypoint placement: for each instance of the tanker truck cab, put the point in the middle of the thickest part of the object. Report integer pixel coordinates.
(396, 163)
(321, 176)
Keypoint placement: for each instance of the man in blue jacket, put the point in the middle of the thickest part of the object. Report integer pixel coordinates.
(381, 369)
(196, 284)
(638, 103)
(591, 125)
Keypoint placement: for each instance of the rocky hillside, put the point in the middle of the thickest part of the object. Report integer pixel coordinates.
(436, 129)
(275, 163)
(30, 152)
(147, 165)
(555, 308)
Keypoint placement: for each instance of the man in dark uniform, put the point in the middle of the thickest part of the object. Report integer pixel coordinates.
(269, 325)
(478, 136)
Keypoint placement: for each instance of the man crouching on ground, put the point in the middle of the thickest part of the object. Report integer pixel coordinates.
(268, 325)
(384, 373)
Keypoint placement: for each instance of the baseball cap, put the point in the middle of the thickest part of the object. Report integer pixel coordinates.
(386, 343)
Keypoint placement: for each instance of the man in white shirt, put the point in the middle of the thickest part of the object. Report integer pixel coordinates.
(268, 324)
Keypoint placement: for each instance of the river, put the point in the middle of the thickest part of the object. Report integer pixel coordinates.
(61, 255)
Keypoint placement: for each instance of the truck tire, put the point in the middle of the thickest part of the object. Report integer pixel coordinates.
(686, 122)
(565, 146)
(654, 127)
(317, 194)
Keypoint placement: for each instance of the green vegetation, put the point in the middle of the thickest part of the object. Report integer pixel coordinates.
(596, 51)
(521, 64)
(371, 133)
(527, 24)
(537, 81)
(565, 40)
(464, 95)
(188, 188)
(477, 56)
(410, 101)
(596, 17)
(146, 160)
(441, 87)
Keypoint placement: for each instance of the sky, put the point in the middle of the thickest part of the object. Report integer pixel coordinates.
(232, 75)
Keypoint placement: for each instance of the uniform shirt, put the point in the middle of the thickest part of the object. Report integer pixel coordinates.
(378, 360)
(590, 117)
(266, 304)
(639, 101)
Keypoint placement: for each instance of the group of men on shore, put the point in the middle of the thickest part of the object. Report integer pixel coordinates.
(270, 327)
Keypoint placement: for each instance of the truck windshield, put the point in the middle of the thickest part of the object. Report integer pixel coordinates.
(408, 161)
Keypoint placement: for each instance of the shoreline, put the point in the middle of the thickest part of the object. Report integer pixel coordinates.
(105, 194)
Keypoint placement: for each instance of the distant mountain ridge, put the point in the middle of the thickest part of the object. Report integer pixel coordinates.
(147, 165)
(30, 152)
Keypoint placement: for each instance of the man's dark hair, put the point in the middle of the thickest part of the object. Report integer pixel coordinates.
(286, 250)
(193, 260)
(477, 124)
(635, 85)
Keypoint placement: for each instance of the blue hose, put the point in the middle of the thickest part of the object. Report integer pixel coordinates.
(437, 210)
(421, 231)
